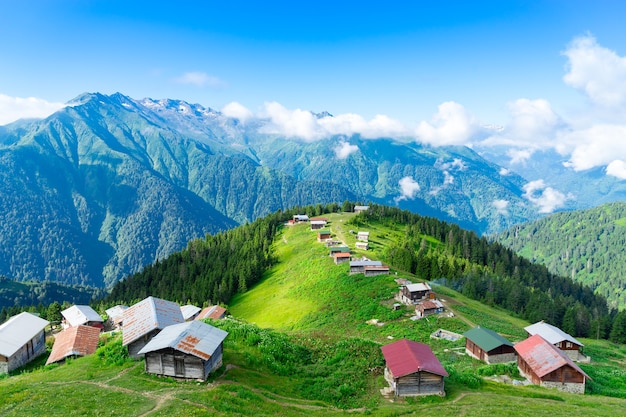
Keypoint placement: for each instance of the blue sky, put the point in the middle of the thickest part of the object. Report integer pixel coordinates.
(547, 73)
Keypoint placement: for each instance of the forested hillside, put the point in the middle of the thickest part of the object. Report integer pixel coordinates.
(13, 293)
(587, 246)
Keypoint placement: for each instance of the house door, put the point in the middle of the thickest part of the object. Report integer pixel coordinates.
(179, 366)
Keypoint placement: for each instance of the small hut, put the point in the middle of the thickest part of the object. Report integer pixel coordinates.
(22, 339)
(413, 293)
(81, 315)
(544, 364)
(413, 369)
(212, 312)
(115, 315)
(488, 346)
(568, 344)
(74, 341)
(189, 311)
(188, 350)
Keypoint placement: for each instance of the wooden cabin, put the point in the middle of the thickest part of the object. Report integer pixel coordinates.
(115, 319)
(342, 257)
(212, 312)
(74, 341)
(189, 311)
(428, 307)
(362, 245)
(144, 320)
(300, 218)
(22, 339)
(413, 369)
(322, 235)
(358, 267)
(413, 293)
(488, 346)
(318, 223)
(338, 249)
(544, 364)
(78, 315)
(189, 350)
(373, 270)
(568, 344)
(363, 236)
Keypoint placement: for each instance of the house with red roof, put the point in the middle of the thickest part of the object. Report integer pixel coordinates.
(544, 364)
(74, 341)
(413, 369)
(212, 312)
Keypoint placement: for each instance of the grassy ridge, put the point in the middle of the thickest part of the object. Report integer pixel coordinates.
(313, 353)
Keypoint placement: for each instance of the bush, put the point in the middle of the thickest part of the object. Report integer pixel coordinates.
(113, 353)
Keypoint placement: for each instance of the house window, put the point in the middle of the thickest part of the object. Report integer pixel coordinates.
(568, 345)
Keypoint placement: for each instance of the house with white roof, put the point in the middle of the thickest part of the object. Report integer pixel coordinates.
(22, 339)
(81, 315)
(557, 337)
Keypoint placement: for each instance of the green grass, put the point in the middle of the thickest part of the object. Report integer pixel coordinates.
(311, 352)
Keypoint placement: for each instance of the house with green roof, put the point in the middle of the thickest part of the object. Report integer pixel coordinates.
(488, 346)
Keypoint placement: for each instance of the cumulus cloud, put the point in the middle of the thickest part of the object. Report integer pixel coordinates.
(595, 146)
(547, 199)
(200, 79)
(237, 111)
(408, 189)
(344, 149)
(519, 156)
(504, 172)
(617, 169)
(502, 206)
(15, 108)
(305, 125)
(451, 125)
(455, 164)
(598, 71)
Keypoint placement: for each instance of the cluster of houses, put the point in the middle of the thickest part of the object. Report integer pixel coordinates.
(422, 296)
(546, 357)
(172, 338)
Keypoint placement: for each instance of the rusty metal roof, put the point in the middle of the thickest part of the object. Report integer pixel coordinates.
(543, 357)
(80, 314)
(212, 312)
(18, 330)
(405, 357)
(551, 333)
(189, 311)
(74, 341)
(193, 337)
(147, 315)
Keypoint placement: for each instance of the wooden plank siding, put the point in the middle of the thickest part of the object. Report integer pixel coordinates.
(29, 351)
(171, 362)
(419, 383)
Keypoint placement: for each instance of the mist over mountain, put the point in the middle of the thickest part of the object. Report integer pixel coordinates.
(109, 184)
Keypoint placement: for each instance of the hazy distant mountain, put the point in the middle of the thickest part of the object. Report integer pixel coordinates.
(109, 184)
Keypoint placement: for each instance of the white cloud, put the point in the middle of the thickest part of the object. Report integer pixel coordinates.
(15, 108)
(456, 164)
(598, 71)
(617, 169)
(531, 120)
(291, 123)
(237, 111)
(504, 172)
(408, 189)
(451, 125)
(519, 156)
(502, 206)
(547, 199)
(598, 145)
(200, 79)
(344, 149)
(349, 124)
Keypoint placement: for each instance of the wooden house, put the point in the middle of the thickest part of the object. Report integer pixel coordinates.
(338, 249)
(342, 257)
(187, 350)
(115, 316)
(358, 267)
(363, 236)
(568, 344)
(322, 235)
(189, 311)
(544, 364)
(373, 270)
(428, 307)
(318, 223)
(212, 312)
(299, 218)
(22, 339)
(81, 315)
(413, 293)
(362, 245)
(74, 341)
(144, 320)
(488, 346)
(413, 369)
(359, 209)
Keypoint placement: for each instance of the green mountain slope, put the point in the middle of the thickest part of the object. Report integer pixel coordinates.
(586, 245)
(316, 350)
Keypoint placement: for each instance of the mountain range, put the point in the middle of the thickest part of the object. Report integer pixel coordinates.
(109, 184)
